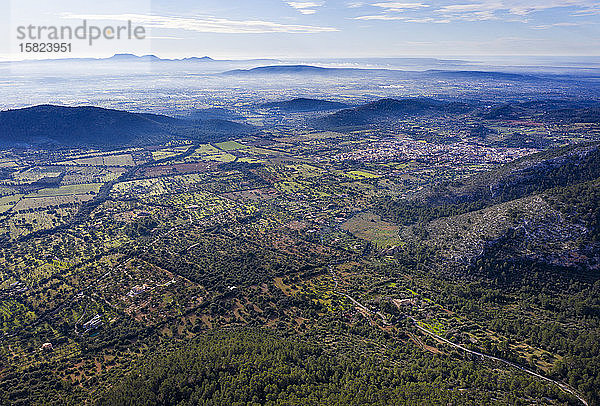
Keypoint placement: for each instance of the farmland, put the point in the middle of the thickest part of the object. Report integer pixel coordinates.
(114, 256)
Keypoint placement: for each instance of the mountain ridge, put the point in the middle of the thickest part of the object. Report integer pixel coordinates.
(302, 104)
(100, 127)
(385, 109)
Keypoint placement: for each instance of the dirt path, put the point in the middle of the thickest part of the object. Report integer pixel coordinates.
(562, 386)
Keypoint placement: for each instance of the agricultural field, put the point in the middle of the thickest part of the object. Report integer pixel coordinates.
(372, 228)
(230, 145)
(208, 152)
(103, 160)
(66, 190)
(110, 257)
(165, 153)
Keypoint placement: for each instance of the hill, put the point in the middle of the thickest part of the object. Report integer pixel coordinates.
(386, 109)
(280, 69)
(522, 177)
(303, 70)
(99, 127)
(555, 228)
(539, 254)
(305, 105)
(482, 75)
(546, 110)
(230, 367)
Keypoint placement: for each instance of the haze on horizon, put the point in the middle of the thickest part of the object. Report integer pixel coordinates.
(320, 28)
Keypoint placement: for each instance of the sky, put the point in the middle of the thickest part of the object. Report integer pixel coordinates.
(240, 29)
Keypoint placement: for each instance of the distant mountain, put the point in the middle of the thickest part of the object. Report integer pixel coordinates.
(212, 130)
(132, 57)
(196, 59)
(154, 58)
(98, 127)
(474, 74)
(460, 75)
(386, 109)
(281, 69)
(303, 70)
(206, 59)
(305, 105)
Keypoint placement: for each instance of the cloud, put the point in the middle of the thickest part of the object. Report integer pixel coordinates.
(206, 24)
(565, 24)
(384, 17)
(163, 37)
(490, 10)
(397, 6)
(305, 7)
(471, 12)
(521, 7)
(587, 11)
(476, 10)
(393, 7)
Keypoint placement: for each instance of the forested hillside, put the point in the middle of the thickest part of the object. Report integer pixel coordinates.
(532, 174)
(432, 256)
(261, 367)
(524, 262)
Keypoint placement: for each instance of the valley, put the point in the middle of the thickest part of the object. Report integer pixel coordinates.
(451, 249)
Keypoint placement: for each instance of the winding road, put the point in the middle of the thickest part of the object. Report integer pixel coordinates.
(562, 386)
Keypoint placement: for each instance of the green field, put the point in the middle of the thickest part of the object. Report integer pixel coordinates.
(67, 190)
(361, 175)
(230, 145)
(372, 228)
(6, 202)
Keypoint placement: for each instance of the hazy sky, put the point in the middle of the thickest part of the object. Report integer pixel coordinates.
(319, 28)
